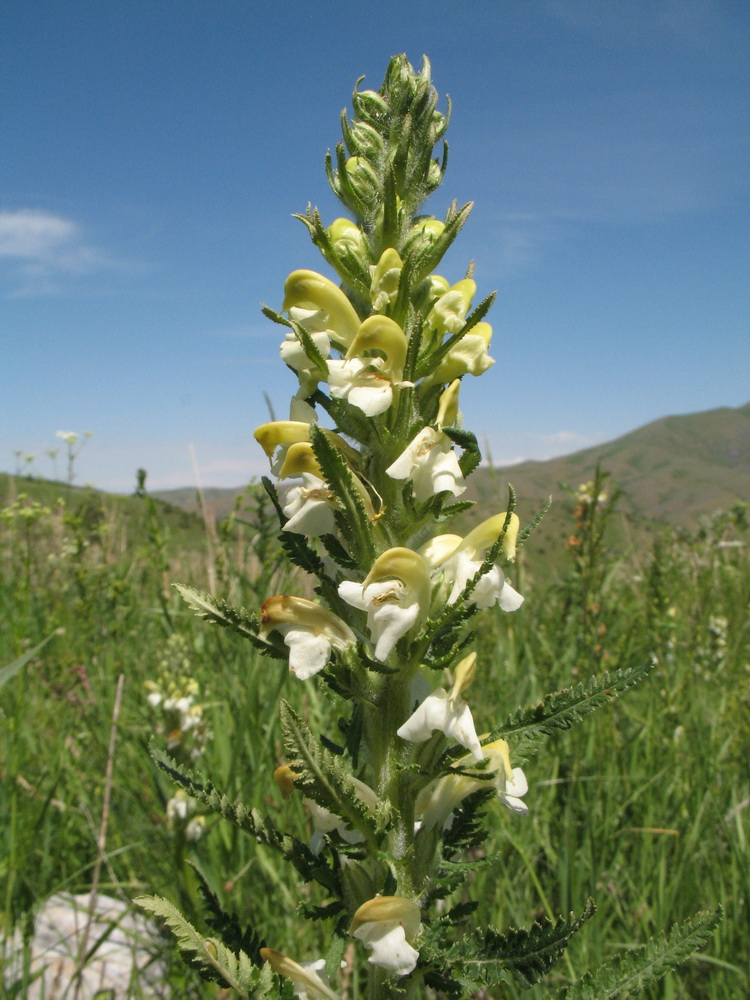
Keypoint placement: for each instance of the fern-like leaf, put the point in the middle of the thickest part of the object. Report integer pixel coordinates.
(472, 456)
(339, 477)
(236, 970)
(226, 925)
(630, 973)
(562, 709)
(250, 821)
(524, 955)
(218, 612)
(524, 533)
(324, 778)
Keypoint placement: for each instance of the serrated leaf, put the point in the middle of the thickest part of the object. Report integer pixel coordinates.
(337, 474)
(524, 533)
(226, 925)
(218, 612)
(250, 821)
(524, 954)
(235, 970)
(310, 349)
(324, 778)
(630, 973)
(472, 456)
(562, 709)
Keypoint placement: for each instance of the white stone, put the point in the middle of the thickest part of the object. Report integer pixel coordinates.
(125, 947)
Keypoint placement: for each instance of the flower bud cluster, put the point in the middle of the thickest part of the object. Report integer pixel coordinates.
(176, 713)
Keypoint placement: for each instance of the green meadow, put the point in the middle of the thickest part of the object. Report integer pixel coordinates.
(643, 807)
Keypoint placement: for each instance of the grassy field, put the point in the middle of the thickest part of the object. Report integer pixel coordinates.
(645, 806)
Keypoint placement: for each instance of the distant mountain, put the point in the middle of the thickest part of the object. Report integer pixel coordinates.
(670, 471)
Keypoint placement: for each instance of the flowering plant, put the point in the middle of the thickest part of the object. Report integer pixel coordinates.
(370, 462)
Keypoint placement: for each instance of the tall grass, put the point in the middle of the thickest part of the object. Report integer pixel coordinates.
(644, 807)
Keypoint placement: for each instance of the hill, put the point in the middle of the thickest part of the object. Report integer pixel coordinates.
(671, 471)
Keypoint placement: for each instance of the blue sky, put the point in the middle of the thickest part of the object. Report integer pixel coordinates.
(153, 154)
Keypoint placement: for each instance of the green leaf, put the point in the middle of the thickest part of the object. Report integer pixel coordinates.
(561, 709)
(10, 671)
(226, 925)
(630, 973)
(339, 477)
(524, 955)
(250, 821)
(324, 777)
(308, 346)
(472, 456)
(218, 612)
(236, 970)
(524, 533)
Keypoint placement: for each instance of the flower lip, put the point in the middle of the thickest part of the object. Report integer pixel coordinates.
(389, 908)
(284, 609)
(300, 458)
(381, 333)
(386, 925)
(408, 567)
(314, 291)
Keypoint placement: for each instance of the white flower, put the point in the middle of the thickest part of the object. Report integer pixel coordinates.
(309, 630)
(309, 506)
(446, 711)
(386, 925)
(179, 807)
(324, 821)
(468, 357)
(395, 595)
(362, 382)
(195, 829)
(437, 802)
(367, 381)
(293, 353)
(305, 976)
(431, 464)
(460, 563)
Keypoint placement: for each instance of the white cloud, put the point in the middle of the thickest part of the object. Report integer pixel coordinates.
(32, 234)
(37, 249)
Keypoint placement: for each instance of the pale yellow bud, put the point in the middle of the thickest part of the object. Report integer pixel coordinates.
(448, 407)
(387, 908)
(284, 609)
(284, 777)
(463, 675)
(486, 533)
(407, 566)
(280, 432)
(385, 279)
